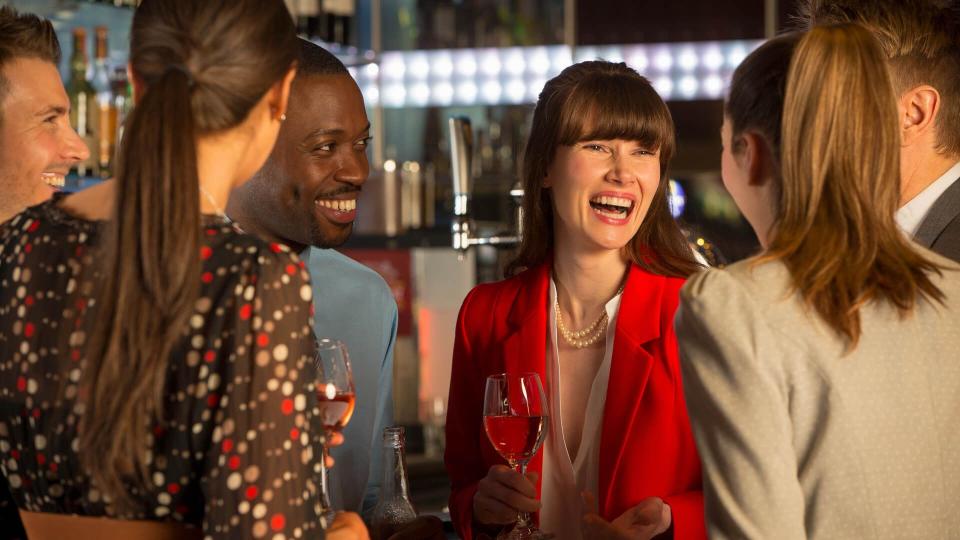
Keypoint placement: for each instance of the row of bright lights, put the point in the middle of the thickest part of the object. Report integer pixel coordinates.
(516, 75)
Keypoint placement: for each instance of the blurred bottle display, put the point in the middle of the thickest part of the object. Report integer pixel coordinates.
(121, 93)
(84, 111)
(394, 510)
(106, 111)
(441, 24)
(330, 21)
(307, 15)
(338, 16)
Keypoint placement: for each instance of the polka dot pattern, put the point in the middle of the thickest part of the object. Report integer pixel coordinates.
(239, 384)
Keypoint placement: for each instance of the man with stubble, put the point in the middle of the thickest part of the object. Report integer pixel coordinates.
(305, 196)
(37, 144)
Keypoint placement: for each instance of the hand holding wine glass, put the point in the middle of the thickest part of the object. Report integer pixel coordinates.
(335, 403)
(515, 419)
(503, 494)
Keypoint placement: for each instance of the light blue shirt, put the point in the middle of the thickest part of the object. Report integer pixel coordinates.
(354, 305)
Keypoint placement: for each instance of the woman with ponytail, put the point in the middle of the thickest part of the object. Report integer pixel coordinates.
(155, 361)
(821, 375)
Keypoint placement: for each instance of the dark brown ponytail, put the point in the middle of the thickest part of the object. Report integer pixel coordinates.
(204, 64)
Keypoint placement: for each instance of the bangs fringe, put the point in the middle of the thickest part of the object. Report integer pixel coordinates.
(616, 107)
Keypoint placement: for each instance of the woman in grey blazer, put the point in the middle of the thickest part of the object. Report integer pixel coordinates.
(823, 375)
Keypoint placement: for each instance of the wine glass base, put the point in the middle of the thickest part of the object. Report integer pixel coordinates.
(528, 533)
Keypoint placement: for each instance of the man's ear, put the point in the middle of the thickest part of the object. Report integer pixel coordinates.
(918, 108)
(756, 158)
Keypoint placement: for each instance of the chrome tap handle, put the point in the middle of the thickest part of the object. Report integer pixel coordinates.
(516, 193)
(461, 162)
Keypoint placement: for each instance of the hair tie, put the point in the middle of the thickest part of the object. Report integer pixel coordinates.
(182, 69)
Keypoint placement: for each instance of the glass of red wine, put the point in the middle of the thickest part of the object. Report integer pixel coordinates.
(335, 401)
(515, 419)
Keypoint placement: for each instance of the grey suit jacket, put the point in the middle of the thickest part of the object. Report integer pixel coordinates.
(800, 440)
(940, 230)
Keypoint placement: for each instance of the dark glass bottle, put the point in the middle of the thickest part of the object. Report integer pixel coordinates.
(393, 511)
(106, 112)
(84, 112)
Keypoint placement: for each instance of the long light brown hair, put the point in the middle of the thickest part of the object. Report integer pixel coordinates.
(839, 190)
(204, 64)
(592, 101)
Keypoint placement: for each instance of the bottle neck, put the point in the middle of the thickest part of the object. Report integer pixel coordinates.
(78, 62)
(102, 54)
(394, 469)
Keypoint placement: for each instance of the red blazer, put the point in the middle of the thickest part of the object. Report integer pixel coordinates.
(646, 445)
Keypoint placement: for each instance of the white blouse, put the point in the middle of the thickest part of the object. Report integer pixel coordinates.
(563, 479)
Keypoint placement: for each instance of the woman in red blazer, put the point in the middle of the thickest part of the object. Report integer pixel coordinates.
(589, 307)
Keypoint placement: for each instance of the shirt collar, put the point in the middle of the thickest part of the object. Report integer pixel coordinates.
(912, 214)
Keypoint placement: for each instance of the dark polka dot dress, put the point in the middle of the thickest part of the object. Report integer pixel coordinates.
(238, 451)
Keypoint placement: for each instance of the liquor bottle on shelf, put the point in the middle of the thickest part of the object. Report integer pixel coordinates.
(106, 112)
(394, 510)
(306, 14)
(122, 101)
(338, 16)
(83, 103)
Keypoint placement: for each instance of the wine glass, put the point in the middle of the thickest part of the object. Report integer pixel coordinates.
(335, 401)
(515, 419)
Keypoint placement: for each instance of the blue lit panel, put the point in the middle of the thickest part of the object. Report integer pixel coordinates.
(676, 198)
(516, 75)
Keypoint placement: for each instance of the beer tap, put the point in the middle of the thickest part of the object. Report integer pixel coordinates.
(461, 164)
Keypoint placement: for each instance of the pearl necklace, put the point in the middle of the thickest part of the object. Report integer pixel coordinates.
(589, 335)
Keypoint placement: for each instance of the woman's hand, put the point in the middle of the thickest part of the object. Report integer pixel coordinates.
(642, 522)
(347, 526)
(502, 494)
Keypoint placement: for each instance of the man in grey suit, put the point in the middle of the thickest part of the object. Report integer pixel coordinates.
(921, 38)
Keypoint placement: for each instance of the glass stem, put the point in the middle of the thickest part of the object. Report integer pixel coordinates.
(523, 518)
(326, 509)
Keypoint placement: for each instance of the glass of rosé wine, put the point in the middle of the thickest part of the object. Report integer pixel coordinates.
(335, 401)
(515, 419)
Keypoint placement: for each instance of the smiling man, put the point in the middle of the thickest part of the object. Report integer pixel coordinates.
(305, 196)
(37, 144)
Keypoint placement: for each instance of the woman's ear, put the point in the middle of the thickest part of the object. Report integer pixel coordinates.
(280, 94)
(757, 159)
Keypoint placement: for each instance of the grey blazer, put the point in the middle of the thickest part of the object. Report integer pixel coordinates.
(940, 230)
(800, 440)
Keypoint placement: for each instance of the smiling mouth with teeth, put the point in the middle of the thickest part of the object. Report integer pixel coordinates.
(347, 205)
(615, 207)
(54, 179)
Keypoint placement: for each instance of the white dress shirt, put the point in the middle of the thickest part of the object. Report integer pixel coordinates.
(912, 214)
(562, 478)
